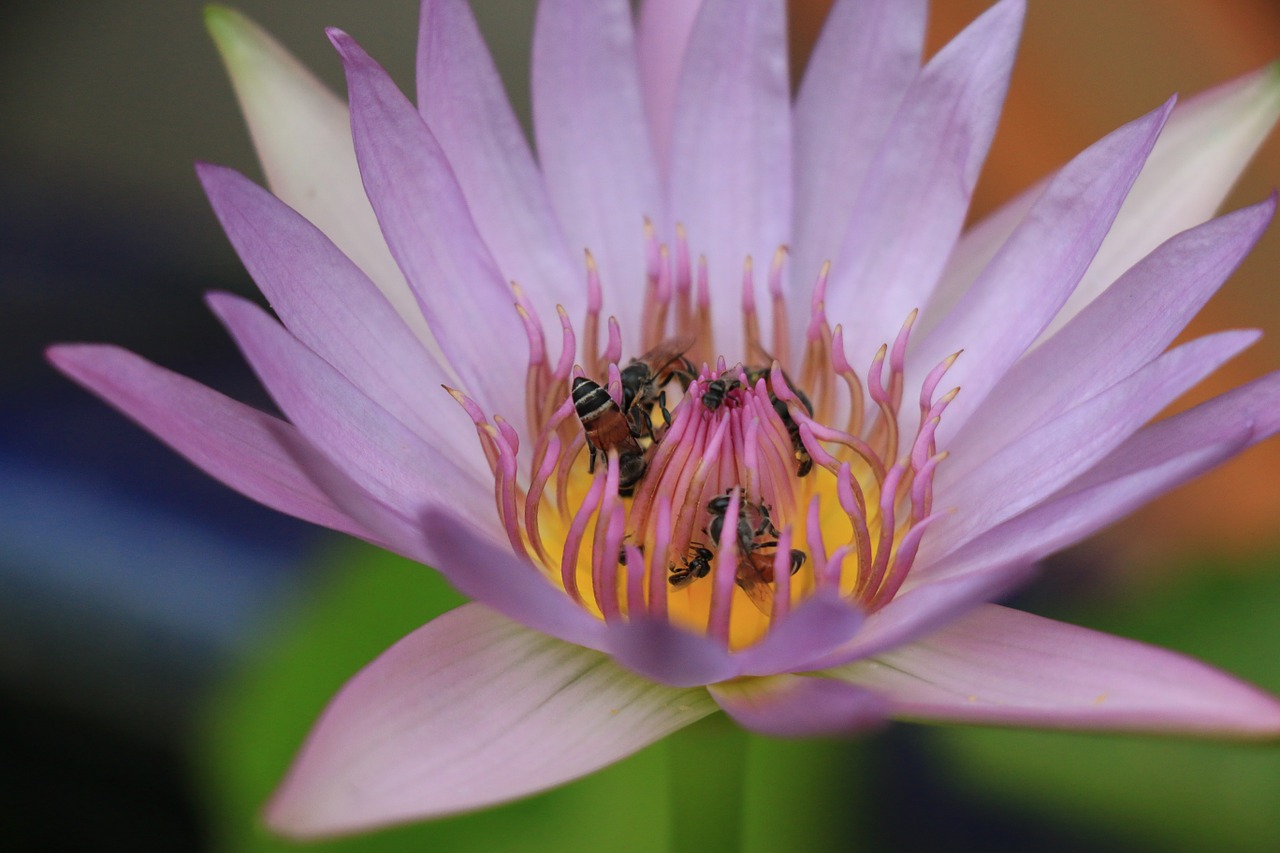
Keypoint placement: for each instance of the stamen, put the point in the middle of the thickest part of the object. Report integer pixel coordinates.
(781, 329)
(726, 571)
(718, 471)
(613, 352)
(683, 284)
(659, 559)
(782, 576)
(573, 539)
(854, 504)
(817, 356)
(750, 320)
(635, 580)
(840, 364)
(902, 561)
(702, 348)
(591, 330)
(817, 548)
(533, 501)
(607, 545)
(888, 497)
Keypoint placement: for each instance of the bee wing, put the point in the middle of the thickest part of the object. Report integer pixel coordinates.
(666, 353)
(751, 581)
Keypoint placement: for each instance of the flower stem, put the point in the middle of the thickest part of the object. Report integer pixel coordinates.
(707, 772)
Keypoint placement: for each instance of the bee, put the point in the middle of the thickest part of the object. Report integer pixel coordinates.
(696, 566)
(606, 428)
(715, 392)
(804, 462)
(757, 541)
(645, 378)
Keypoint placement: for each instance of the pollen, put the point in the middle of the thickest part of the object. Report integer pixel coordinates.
(716, 492)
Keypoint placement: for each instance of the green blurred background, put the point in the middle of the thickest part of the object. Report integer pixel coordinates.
(165, 644)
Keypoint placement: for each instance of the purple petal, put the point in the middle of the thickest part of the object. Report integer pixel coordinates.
(1105, 495)
(491, 574)
(1126, 327)
(1002, 667)
(395, 529)
(468, 711)
(428, 226)
(1201, 151)
(229, 441)
(461, 98)
(593, 143)
(1000, 316)
(865, 58)
(798, 706)
(820, 623)
(913, 203)
(1205, 146)
(923, 609)
(731, 178)
(659, 650)
(302, 134)
(368, 445)
(973, 251)
(662, 36)
(1253, 408)
(472, 562)
(1033, 467)
(333, 308)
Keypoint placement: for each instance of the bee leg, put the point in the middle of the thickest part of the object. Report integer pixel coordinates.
(797, 560)
(662, 407)
(591, 458)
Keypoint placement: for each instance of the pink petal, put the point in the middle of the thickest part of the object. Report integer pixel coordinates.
(996, 561)
(865, 58)
(730, 181)
(913, 203)
(1030, 469)
(1126, 327)
(926, 607)
(333, 308)
(822, 622)
(468, 711)
(491, 574)
(302, 134)
(1206, 143)
(1026, 283)
(798, 706)
(660, 651)
(458, 549)
(368, 445)
(229, 441)
(426, 221)
(998, 666)
(662, 36)
(593, 143)
(1106, 494)
(461, 98)
(1253, 408)
(1204, 148)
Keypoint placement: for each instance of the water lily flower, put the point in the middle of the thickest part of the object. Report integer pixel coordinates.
(771, 445)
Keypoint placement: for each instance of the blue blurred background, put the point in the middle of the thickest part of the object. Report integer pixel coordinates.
(145, 699)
